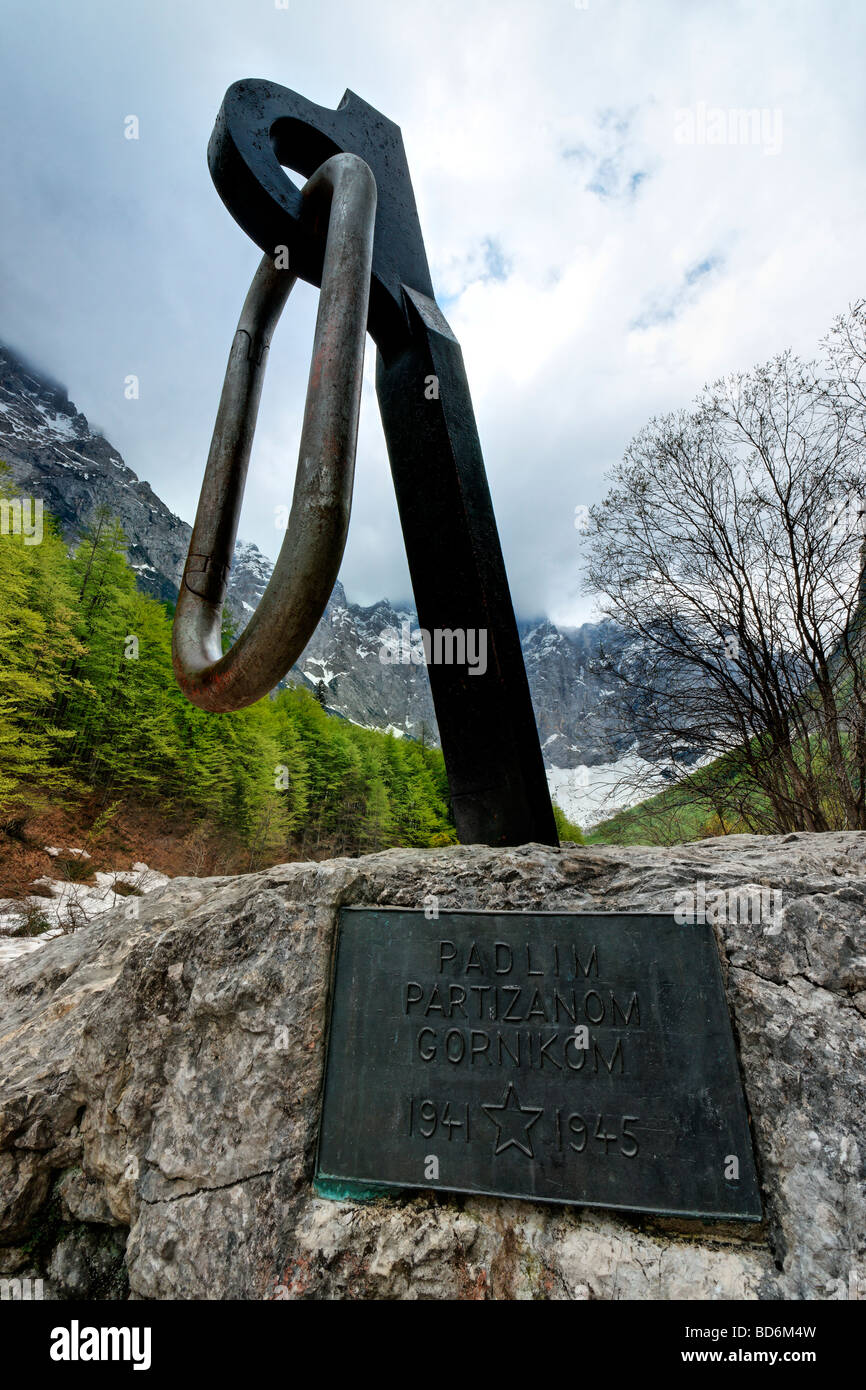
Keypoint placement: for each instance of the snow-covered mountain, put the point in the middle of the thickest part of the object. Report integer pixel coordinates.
(592, 762)
(53, 453)
(571, 695)
(344, 657)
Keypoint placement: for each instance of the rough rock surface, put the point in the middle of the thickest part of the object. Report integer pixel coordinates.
(151, 1128)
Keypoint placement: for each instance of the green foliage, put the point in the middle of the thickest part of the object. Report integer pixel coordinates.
(681, 813)
(88, 700)
(665, 819)
(38, 644)
(568, 832)
(719, 798)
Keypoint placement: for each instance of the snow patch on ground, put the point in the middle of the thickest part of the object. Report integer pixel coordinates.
(63, 905)
(588, 795)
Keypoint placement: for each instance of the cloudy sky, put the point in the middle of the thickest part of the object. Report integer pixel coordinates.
(599, 252)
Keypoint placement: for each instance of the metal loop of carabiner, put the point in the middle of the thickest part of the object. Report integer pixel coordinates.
(315, 538)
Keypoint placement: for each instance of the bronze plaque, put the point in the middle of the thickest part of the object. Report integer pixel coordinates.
(566, 1057)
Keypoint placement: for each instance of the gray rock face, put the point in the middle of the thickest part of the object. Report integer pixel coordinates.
(53, 454)
(162, 1073)
(248, 579)
(579, 721)
(344, 653)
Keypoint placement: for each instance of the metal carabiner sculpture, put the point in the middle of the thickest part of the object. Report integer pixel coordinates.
(343, 192)
(486, 722)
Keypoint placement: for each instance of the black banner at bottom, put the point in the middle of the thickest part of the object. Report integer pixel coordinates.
(57, 1341)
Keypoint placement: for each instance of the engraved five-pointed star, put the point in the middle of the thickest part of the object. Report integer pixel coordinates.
(509, 1120)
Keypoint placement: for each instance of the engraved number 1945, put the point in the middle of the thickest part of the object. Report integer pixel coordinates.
(575, 1129)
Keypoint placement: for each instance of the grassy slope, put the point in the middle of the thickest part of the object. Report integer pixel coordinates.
(668, 818)
(661, 820)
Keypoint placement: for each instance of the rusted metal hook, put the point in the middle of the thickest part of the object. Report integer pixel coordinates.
(343, 191)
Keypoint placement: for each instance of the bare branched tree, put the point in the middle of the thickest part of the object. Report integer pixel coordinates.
(731, 545)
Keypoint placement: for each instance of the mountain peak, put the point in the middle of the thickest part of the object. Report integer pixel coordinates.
(54, 454)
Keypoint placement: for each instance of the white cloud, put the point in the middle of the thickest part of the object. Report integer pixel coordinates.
(541, 139)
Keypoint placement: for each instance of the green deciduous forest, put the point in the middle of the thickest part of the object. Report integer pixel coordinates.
(88, 704)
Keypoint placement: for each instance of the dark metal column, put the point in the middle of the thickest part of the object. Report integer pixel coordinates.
(486, 722)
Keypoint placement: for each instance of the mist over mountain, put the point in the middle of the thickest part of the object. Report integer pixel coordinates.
(54, 454)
